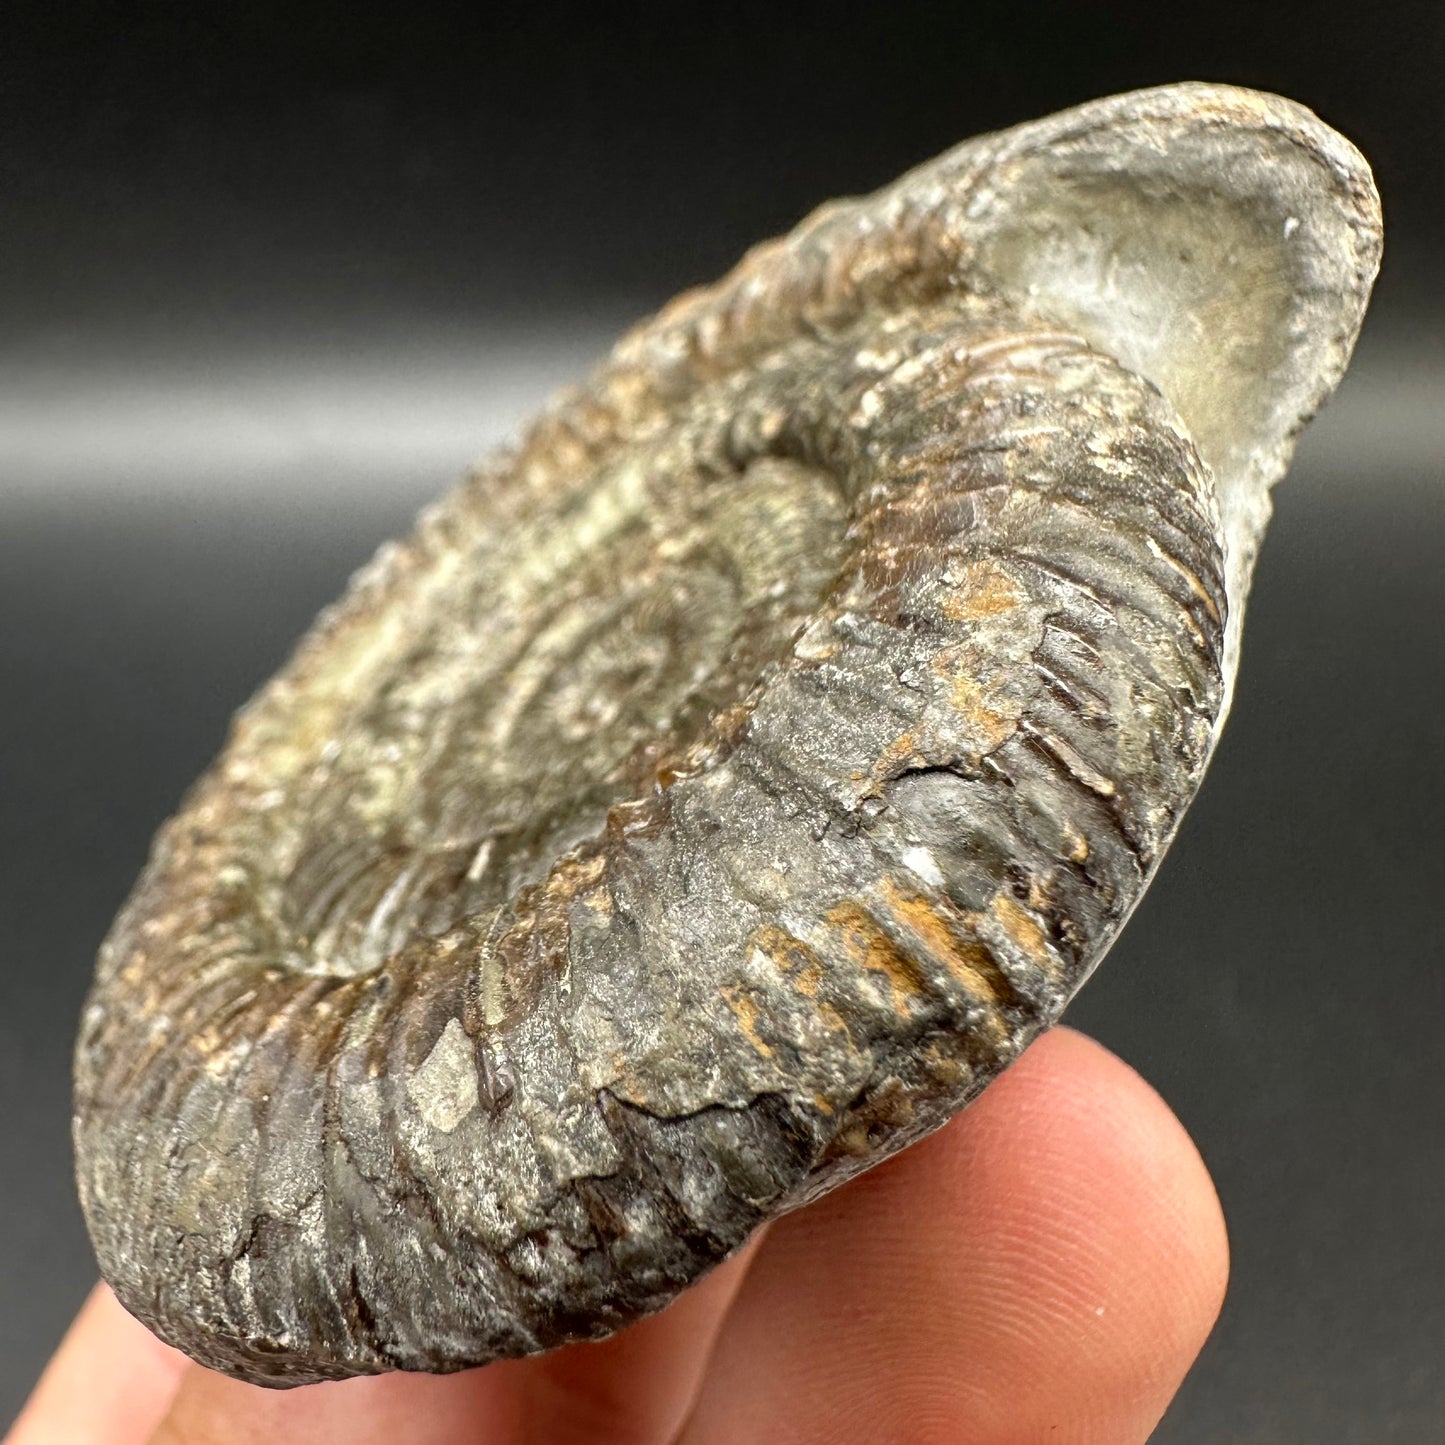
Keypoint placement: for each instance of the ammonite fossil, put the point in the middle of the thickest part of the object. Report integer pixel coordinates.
(716, 791)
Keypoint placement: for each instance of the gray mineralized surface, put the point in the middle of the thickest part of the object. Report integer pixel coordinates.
(716, 791)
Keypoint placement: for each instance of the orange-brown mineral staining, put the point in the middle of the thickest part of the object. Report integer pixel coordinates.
(868, 947)
(945, 934)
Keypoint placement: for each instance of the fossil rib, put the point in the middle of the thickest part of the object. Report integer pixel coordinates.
(713, 793)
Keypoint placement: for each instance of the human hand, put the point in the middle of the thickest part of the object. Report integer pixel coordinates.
(1045, 1268)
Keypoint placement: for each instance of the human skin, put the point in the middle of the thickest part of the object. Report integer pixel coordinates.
(1046, 1267)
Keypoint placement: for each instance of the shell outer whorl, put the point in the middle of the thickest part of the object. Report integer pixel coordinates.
(707, 800)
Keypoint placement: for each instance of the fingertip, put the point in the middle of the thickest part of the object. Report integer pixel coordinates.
(1117, 1141)
(1121, 1260)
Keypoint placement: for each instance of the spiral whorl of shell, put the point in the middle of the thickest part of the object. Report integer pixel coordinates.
(716, 791)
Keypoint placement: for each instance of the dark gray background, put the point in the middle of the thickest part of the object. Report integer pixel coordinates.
(268, 283)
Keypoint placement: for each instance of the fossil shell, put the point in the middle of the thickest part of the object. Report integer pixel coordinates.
(715, 792)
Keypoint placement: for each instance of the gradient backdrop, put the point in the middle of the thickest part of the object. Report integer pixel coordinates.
(269, 282)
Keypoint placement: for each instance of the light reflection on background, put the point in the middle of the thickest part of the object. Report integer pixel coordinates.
(395, 414)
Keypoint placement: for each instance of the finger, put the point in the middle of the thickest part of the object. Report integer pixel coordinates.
(108, 1383)
(635, 1388)
(1044, 1268)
